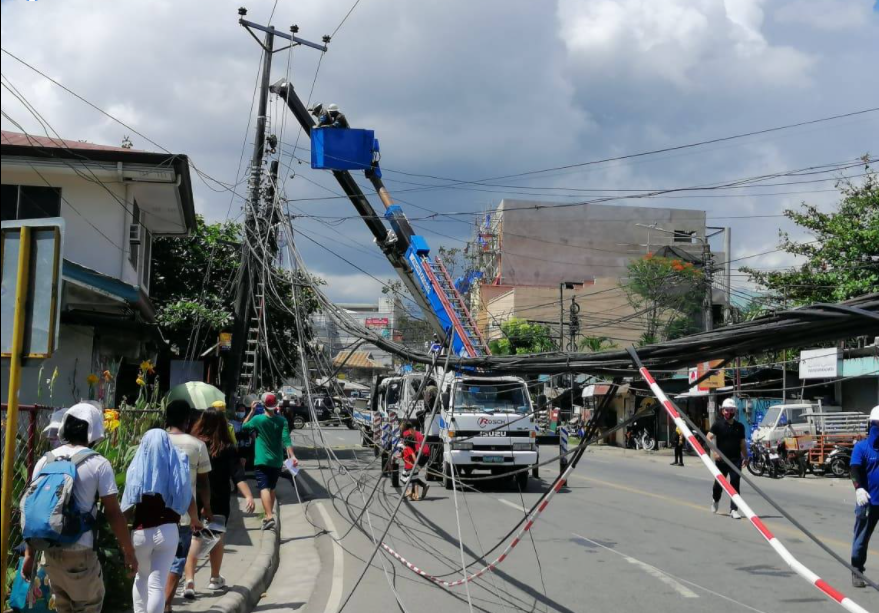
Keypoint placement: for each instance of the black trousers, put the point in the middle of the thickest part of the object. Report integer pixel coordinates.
(679, 454)
(734, 480)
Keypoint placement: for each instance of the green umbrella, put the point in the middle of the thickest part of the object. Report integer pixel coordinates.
(198, 394)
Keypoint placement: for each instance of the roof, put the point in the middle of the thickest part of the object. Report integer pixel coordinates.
(355, 359)
(108, 286)
(17, 144)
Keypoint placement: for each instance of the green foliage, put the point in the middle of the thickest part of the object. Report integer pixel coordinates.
(840, 260)
(521, 337)
(193, 288)
(666, 290)
(596, 344)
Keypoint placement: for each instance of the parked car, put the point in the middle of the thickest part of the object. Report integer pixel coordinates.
(298, 415)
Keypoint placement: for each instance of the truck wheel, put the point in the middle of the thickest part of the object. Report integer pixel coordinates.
(447, 476)
(298, 422)
(350, 423)
(375, 450)
(522, 480)
(395, 474)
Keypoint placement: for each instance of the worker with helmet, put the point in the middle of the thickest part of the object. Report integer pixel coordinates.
(865, 477)
(329, 116)
(728, 434)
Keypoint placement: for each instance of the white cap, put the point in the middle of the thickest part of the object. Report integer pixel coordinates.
(87, 412)
(874, 414)
(729, 403)
(54, 423)
(333, 107)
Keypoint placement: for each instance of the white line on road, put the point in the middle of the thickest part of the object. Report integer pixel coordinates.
(512, 504)
(670, 576)
(335, 597)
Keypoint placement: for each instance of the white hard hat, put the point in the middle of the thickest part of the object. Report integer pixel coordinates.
(874, 414)
(87, 412)
(333, 107)
(729, 403)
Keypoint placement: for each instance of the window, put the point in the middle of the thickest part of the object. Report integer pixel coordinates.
(684, 236)
(134, 234)
(30, 202)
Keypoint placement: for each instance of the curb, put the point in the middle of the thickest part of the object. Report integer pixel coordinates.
(244, 597)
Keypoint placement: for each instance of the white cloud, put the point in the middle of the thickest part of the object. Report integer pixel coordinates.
(827, 14)
(356, 287)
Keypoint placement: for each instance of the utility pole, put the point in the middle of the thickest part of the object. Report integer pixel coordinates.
(562, 287)
(707, 314)
(727, 250)
(255, 216)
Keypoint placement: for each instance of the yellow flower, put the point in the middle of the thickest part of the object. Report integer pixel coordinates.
(107, 376)
(92, 379)
(140, 381)
(146, 366)
(111, 420)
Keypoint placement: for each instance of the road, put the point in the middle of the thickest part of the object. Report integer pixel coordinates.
(630, 533)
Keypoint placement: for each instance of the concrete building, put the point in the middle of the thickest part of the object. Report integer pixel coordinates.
(381, 316)
(114, 201)
(526, 249)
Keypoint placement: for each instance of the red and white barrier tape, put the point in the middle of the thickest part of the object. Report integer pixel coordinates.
(846, 602)
(525, 528)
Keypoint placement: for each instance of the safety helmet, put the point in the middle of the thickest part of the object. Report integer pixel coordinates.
(333, 108)
(874, 414)
(729, 403)
(317, 109)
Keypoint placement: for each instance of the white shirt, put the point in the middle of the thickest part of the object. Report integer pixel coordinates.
(94, 479)
(199, 463)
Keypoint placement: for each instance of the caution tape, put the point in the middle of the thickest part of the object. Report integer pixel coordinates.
(797, 566)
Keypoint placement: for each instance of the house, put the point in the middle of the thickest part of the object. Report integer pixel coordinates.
(114, 202)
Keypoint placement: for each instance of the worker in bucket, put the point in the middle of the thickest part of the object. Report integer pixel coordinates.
(329, 116)
(728, 434)
(865, 477)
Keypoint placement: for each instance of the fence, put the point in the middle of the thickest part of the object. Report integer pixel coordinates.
(123, 432)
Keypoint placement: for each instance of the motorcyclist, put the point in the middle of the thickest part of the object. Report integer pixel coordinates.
(865, 478)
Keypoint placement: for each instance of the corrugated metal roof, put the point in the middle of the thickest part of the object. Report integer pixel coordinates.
(29, 140)
(357, 359)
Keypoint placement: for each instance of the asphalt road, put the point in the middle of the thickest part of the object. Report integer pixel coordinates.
(630, 533)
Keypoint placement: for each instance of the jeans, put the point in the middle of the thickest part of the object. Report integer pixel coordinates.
(866, 518)
(154, 549)
(734, 480)
(184, 542)
(76, 579)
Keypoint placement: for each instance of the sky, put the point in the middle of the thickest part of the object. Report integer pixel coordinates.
(466, 91)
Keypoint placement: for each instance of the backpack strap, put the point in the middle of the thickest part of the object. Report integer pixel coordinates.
(81, 456)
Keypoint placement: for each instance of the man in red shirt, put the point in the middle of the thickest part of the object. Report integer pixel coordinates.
(410, 476)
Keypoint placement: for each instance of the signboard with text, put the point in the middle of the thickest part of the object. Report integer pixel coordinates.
(716, 380)
(820, 363)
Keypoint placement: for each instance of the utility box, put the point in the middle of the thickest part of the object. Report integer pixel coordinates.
(341, 148)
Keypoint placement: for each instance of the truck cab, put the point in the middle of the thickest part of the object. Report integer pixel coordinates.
(790, 420)
(486, 424)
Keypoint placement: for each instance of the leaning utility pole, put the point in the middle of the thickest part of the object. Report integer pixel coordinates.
(255, 219)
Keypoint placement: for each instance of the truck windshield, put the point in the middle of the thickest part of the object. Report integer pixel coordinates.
(490, 399)
(392, 396)
(771, 417)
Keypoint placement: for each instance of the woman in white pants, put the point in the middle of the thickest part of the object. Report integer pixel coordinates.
(157, 493)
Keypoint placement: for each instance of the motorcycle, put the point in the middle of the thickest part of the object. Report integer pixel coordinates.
(643, 440)
(839, 461)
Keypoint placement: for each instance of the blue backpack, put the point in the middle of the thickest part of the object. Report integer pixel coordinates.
(49, 514)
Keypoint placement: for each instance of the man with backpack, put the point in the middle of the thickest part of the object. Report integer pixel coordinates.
(59, 510)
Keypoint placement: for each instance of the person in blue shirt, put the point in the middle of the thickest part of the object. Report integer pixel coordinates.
(865, 477)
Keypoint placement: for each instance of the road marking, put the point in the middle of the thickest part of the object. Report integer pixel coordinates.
(672, 577)
(781, 529)
(509, 503)
(335, 598)
(647, 568)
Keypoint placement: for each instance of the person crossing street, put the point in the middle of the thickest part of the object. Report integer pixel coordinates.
(729, 436)
(865, 478)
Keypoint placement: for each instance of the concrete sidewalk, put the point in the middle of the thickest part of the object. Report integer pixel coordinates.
(253, 556)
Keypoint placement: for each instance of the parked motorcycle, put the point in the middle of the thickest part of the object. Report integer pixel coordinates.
(839, 461)
(643, 440)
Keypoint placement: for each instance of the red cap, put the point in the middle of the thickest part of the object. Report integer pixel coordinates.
(269, 400)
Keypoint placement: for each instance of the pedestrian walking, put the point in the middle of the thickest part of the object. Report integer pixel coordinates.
(408, 428)
(678, 443)
(48, 503)
(178, 417)
(213, 429)
(410, 475)
(157, 493)
(865, 476)
(272, 439)
(729, 436)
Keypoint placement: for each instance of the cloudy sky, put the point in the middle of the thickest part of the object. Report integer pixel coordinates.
(473, 90)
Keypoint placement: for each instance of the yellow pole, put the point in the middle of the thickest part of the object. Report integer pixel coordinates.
(12, 410)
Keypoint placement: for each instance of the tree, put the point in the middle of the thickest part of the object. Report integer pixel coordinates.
(522, 337)
(840, 259)
(596, 344)
(193, 289)
(668, 291)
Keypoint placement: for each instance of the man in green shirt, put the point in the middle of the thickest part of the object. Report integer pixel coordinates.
(272, 439)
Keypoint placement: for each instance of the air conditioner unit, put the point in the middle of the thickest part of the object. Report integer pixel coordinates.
(134, 234)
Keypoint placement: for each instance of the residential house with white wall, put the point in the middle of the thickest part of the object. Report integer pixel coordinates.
(114, 202)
